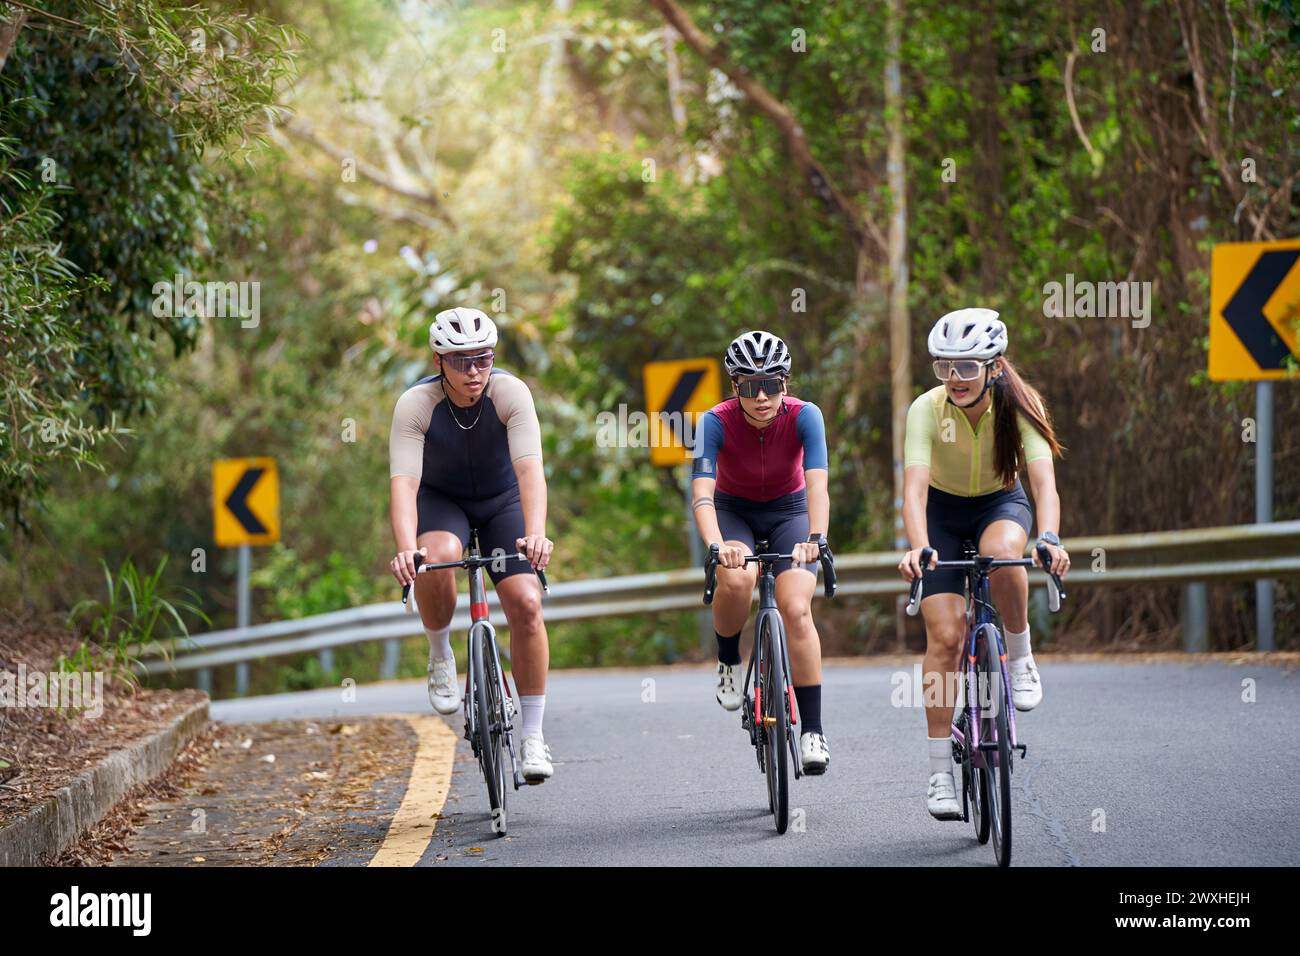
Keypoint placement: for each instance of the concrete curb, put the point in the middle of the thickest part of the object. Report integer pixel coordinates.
(65, 815)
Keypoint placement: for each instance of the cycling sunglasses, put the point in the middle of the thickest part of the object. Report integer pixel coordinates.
(464, 363)
(967, 369)
(749, 388)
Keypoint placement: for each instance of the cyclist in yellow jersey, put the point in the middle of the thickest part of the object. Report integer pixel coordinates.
(965, 444)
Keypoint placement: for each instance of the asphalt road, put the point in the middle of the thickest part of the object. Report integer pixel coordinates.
(1129, 763)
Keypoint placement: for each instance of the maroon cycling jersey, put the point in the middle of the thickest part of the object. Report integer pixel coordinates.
(760, 464)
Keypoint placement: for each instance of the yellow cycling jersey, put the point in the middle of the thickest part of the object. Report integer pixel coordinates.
(960, 458)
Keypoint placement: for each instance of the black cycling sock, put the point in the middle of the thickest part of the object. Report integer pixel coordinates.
(728, 648)
(809, 699)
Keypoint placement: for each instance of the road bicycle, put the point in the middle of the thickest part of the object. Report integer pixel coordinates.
(772, 732)
(489, 704)
(984, 738)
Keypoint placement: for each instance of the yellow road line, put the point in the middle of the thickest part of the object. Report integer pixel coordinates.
(426, 791)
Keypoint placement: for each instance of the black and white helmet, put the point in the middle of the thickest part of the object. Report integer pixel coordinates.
(462, 328)
(757, 353)
(968, 334)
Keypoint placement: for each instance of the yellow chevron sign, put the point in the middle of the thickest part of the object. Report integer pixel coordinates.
(676, 394)
(1254, 310)
(245, 502)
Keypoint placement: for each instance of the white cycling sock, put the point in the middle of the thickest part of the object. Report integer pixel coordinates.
(439, 641)
(533, 707)
(940, 754)
(1018, 645)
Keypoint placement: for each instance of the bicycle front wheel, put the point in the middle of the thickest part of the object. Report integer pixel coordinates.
(776, 727)
(489, 754)
(995, 728)
(503, 768)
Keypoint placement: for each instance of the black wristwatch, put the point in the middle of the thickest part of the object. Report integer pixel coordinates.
(1049, 537)
(817, 539)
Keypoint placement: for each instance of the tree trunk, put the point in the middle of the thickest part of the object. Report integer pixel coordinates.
(9, 34)
(674, 80)
(900, 328)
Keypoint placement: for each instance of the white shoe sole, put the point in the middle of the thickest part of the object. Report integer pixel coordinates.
(445, 706)
(725, 706)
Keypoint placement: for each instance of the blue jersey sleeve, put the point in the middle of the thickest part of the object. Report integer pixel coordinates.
(708, 442)
(812, 432)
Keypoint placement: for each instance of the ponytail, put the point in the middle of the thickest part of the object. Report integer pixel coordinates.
(1014, 397)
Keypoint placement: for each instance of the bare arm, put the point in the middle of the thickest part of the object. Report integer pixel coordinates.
(706, 516)
(916, 492)
(819, 513)
(402, 514)
(532, 494)
(819, 500)
(532, 498)
(706, 522)
(1047, 504)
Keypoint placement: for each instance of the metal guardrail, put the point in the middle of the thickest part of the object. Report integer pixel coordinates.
(1190, 557)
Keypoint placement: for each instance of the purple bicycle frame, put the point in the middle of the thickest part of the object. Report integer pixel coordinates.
(972, 696)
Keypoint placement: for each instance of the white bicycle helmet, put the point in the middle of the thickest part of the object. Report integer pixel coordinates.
(757, 353)
(462, 328)
(968, 334)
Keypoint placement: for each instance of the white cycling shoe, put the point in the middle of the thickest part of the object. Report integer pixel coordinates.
(536, 759)
(444, 690)
(941, 797)
(1026, 685)
(813, 753)
(728, 693)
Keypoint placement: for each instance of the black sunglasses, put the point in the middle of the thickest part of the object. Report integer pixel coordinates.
(749, 388)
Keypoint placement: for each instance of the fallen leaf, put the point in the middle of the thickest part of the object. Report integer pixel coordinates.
(269, 758)
(198, 859)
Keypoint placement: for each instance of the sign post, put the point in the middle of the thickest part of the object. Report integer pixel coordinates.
(245, 512)
(676, 394)
(1254, 315)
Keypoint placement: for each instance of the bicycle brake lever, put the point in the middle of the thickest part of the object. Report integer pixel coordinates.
(914, 598)
(406, 588)
(541, 575)
(710, 573)
(829, 583)
(1055, 590)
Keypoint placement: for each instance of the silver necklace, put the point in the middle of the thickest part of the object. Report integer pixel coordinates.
(470, 426)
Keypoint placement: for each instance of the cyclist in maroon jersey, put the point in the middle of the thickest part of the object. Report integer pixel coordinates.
(761, 474)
